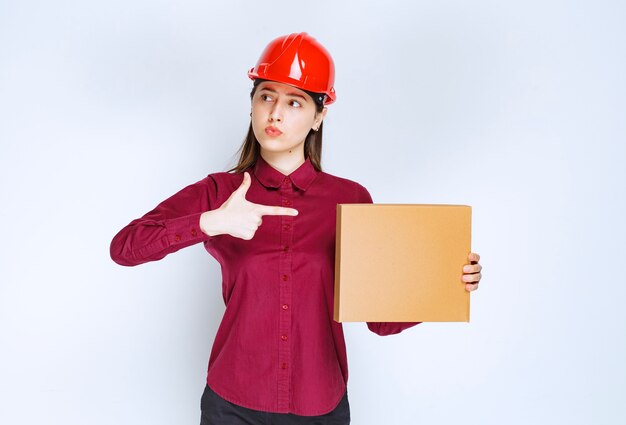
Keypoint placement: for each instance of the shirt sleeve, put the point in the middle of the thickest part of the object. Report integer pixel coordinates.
(381, 328)
(172, 225)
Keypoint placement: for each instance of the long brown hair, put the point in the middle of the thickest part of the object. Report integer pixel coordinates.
(250, 149)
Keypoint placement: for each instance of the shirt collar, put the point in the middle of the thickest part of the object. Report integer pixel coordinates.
(302, 177)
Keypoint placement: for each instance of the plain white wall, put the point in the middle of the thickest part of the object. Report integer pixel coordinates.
(516, 108)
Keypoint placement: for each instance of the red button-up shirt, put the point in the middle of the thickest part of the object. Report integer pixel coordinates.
(278, 348)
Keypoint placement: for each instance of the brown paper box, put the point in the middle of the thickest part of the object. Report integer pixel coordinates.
(401, 263)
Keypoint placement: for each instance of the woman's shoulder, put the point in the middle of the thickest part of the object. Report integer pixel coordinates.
(341, 180)
(349, 186)
(225, 177)
(223, 182)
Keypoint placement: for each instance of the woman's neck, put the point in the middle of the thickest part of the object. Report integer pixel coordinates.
(285, 163)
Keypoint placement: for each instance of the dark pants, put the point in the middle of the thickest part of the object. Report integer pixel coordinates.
(217, 411)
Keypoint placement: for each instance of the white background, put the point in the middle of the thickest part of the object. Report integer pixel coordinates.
(516, 108)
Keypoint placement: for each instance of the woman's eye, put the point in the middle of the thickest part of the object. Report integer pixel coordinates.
(295, 104)
(266, 98)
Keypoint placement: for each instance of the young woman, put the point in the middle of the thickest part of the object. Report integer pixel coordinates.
(278, 356)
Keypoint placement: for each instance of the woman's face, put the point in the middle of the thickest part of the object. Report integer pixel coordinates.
(282, 117)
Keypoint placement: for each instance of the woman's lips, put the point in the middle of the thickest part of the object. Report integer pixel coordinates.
(272, 131)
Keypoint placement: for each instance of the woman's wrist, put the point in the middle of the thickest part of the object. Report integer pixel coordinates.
(210, 223)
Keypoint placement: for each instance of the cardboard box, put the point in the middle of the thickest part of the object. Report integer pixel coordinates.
(401, 263)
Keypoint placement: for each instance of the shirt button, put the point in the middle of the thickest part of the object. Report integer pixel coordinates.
(286, 180)
(285, 277)
(283, 337)
(285, 306)
(287, 227)
(193, 232)
(286, 202)
(177, 238)
(283, 365)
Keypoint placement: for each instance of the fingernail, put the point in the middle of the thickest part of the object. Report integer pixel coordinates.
(466, 268)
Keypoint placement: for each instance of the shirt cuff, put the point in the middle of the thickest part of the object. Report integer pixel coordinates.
(185, 230)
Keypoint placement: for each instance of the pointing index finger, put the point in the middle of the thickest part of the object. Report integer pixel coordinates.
(269, 210)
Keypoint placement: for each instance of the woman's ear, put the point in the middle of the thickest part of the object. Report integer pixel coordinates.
(319, 117)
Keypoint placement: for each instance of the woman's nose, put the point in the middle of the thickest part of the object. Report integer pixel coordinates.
(276, 113)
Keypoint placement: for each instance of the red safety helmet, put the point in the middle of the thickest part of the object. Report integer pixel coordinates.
(300, 61)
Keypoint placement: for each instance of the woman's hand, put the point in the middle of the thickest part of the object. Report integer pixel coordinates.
(237, 216)
(471, 272)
